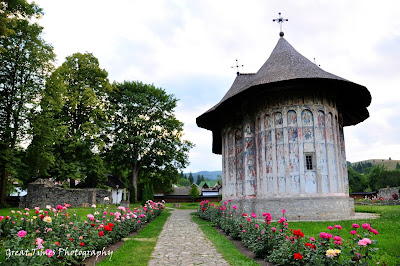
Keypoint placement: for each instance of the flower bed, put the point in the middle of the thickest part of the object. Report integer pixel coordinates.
(280, 245)
(394, 200)
(54, 235)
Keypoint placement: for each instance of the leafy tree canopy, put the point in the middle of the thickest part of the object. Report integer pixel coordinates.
(145, 132)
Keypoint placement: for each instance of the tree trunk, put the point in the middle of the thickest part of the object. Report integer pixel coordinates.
(3, 184)
(135, 170)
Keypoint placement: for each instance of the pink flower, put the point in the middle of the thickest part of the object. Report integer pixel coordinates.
(253, 215)
(355, 226)
(312, 239)
(338, 243)
(229, 200)
(256, 226)
(39, 241)
(273, 229)
(283, 211)
(225, 202)
(281, 220)
(338, 227)
(244, 231)
(323, 235)
(366, 226)
(22, 233)
(139, 221)
(49, 252)
(234, 207)
(111, 213)
(104, 212)
(1, 218)
(353, 232)
(337, 238)
(330, 227)
(374, 231)
(364, 242)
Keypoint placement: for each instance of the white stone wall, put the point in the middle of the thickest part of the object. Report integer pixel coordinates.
(264, 155)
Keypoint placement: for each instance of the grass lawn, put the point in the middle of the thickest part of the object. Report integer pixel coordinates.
(135, 252)
(230, 253)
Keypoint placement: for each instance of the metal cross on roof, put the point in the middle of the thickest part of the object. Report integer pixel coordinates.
(237, 67)
(280, 20)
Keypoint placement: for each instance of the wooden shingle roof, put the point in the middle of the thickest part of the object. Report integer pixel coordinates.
(286, 69)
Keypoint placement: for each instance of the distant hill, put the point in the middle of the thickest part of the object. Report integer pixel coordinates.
(208, 175)
(388, 163)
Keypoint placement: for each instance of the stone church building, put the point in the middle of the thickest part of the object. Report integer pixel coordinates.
(280, 133)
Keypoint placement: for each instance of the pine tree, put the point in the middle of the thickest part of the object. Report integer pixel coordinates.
(191, 179)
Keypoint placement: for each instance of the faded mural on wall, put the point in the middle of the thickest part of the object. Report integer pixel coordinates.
(265, 156)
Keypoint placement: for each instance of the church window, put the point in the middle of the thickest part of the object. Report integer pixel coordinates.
(309, 161)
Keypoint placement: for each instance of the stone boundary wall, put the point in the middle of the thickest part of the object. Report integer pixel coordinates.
(388, 192)
(40, 195)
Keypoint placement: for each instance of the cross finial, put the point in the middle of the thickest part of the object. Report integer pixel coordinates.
(280, 20)
(237, 67)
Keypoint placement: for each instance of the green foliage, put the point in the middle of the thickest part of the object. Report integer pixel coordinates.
(75, 106)
(26, 60)
(362, 167)
(191, 179)
(183, 182)
(357, 181)
(194, 192)
(145, 135)
(11, 9)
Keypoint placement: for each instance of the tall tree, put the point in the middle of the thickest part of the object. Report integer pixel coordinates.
(84, 88)
(145, 132)
(191, 179)
(26, 60)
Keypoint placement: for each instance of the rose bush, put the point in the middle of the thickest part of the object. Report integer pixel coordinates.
(54, 235)
(283, 246)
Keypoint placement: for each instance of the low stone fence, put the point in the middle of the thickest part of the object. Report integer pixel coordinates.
(388, 192)
(40, 195)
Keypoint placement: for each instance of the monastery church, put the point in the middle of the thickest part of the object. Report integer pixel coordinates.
(280, 134)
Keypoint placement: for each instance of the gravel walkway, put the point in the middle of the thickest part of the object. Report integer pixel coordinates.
(181, 242)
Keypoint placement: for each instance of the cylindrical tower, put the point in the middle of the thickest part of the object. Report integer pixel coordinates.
(280, 133)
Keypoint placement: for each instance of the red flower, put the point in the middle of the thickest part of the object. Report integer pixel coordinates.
(298, 256)
(41, 216)
(204, 209)
(70, 239)
(298, 233)
(37, 212)
(101, 233)
(312, 246)
(82, 244)
(92, 225)
(107, 228)
(110, 224)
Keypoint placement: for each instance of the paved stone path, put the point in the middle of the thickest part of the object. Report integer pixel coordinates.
(181, 242)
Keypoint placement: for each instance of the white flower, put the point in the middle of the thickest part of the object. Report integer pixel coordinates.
(107, 198)
(48, 207)
(93, 205)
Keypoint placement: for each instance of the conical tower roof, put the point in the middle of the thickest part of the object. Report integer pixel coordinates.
(286, 68)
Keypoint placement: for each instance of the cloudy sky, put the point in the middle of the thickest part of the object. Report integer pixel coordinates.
(188, 48)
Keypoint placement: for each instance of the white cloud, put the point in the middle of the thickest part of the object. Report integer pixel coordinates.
(188, 47)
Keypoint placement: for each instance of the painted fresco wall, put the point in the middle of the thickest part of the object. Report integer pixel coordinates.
(265, 155)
